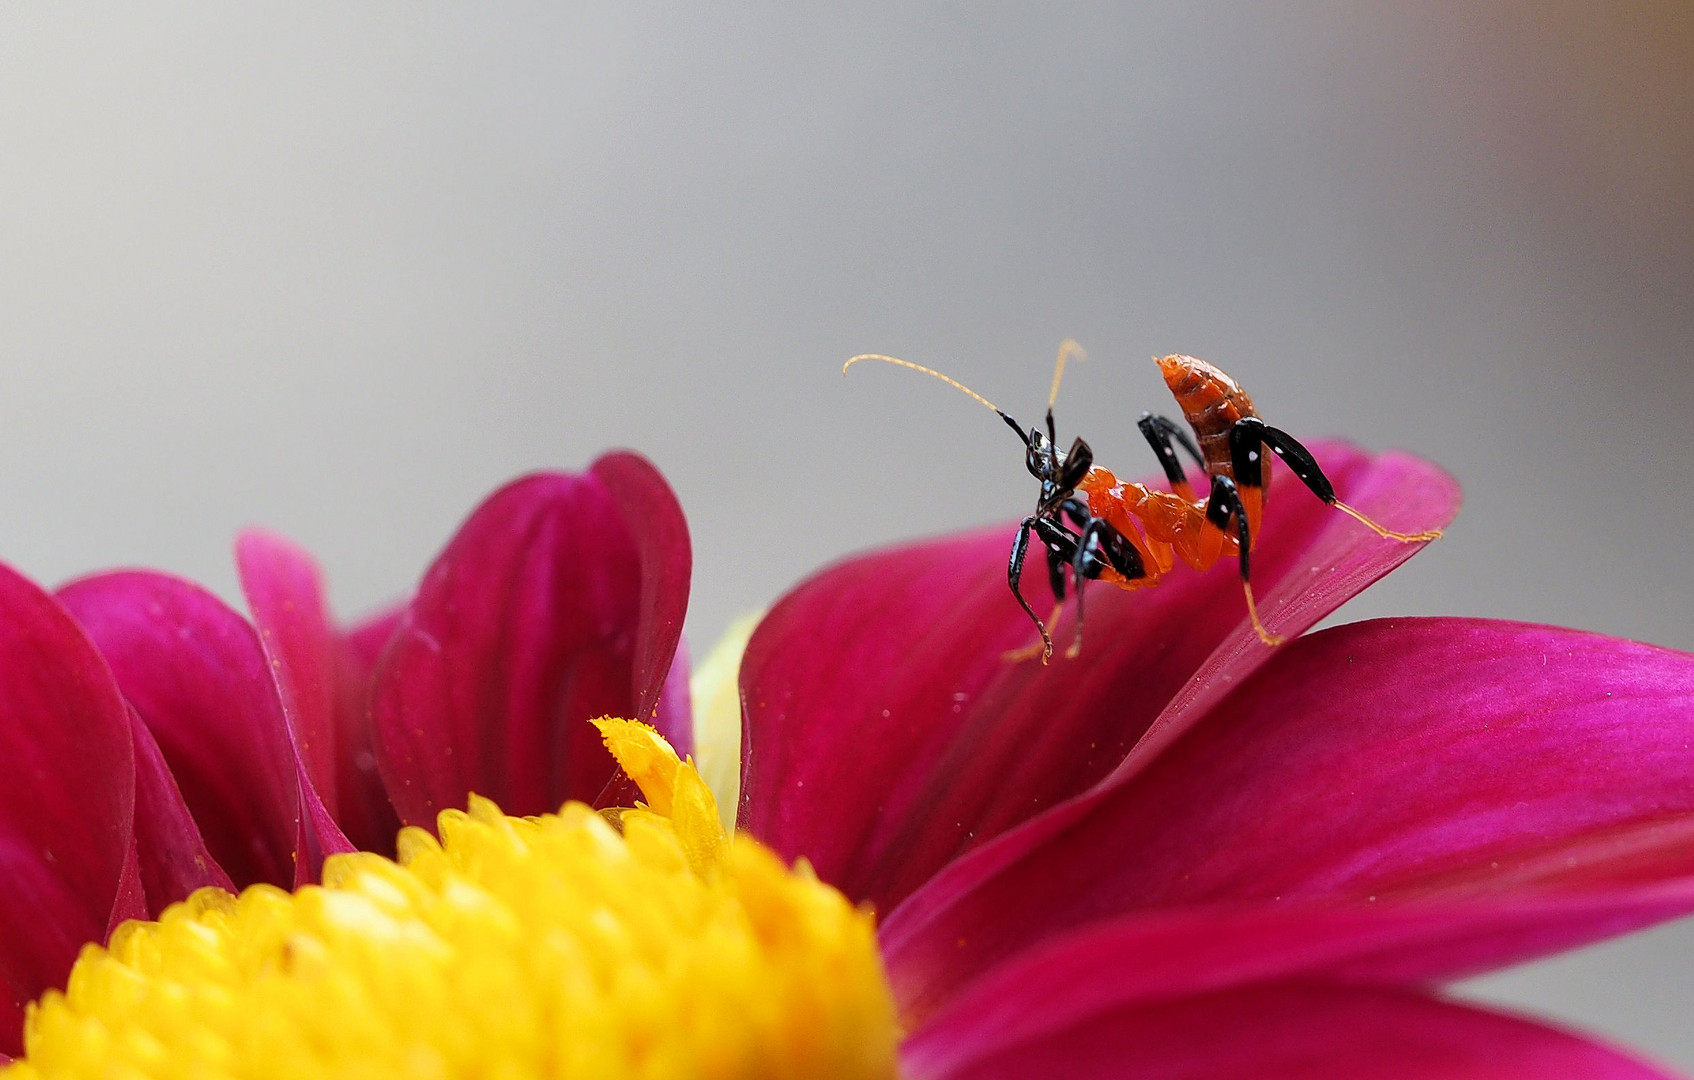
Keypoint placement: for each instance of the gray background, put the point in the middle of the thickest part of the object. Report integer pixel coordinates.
(342, 271)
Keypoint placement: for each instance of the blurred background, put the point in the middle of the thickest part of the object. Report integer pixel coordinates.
(342, 271)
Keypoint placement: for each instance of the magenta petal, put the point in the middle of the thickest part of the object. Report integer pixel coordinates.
(1286, 1032)
(674, 713)
(1436, 759)
(367, 639)
(1341, 561)
(131, 899)
(551, 606)
(368, 812)
(885, 735)
(173, 860)
(197, 676)
(323, 682)
(285, 592)
(667, 560)
(1149, 957)
(67, 796)
(316, 835)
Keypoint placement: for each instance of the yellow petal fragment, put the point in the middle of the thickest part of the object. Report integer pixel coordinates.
(694, 817)
(645, 756)
(673, 789)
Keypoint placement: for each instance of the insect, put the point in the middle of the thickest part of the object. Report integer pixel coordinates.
(1100, 528)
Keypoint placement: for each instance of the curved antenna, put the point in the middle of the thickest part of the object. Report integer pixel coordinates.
(954, 383)
(1067, 349)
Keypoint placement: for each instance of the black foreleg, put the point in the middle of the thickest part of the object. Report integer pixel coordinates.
(1061, 549)
(1014, 574)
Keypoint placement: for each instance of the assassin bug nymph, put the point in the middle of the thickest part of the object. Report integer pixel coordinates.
(1098, 527)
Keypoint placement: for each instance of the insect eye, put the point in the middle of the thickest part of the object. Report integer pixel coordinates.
(1039, 460)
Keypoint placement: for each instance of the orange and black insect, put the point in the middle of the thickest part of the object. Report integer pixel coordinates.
(1098, 527)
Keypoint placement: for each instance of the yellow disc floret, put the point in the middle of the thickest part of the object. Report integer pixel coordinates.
(556, 946)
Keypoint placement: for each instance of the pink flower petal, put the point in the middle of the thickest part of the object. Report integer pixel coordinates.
(285, 592)
(1284, 1032)
(558, 600)
(67, 797)
(323, 683)
(1153, 956)
(131, 899)
(367, 815)
(667, 559)
(1399, 491)
(367, 639)
(172, 856)
(197, 676)
(675, 709)
(908, 740)
(1429, 760)
(674, 713)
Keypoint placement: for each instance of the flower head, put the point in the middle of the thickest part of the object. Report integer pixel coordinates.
(161, 743)
(554, 945)
(1183, 853)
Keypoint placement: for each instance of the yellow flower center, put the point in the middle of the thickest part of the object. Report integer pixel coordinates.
(636, 943)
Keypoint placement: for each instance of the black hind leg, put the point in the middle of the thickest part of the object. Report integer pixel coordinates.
(1223, 507)
(1247, 437)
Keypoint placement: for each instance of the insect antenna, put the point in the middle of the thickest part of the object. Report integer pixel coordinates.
(1067, 349)
(957, 385)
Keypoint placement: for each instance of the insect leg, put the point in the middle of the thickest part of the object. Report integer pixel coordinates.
(1223, 505)
(1085, 565)
(1159, 433)
(1078, 512)
(1060, 545)
(1245, 438)
(1014, 572)
(1101, 546)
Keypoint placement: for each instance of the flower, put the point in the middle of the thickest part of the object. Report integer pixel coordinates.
(556, 945)
(1182, 853)
(158, 743)
(1187, 854)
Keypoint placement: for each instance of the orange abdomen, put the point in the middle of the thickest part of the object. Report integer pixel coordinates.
(1211, 402)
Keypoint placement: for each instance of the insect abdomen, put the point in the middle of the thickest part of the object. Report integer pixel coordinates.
(1211, 402)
